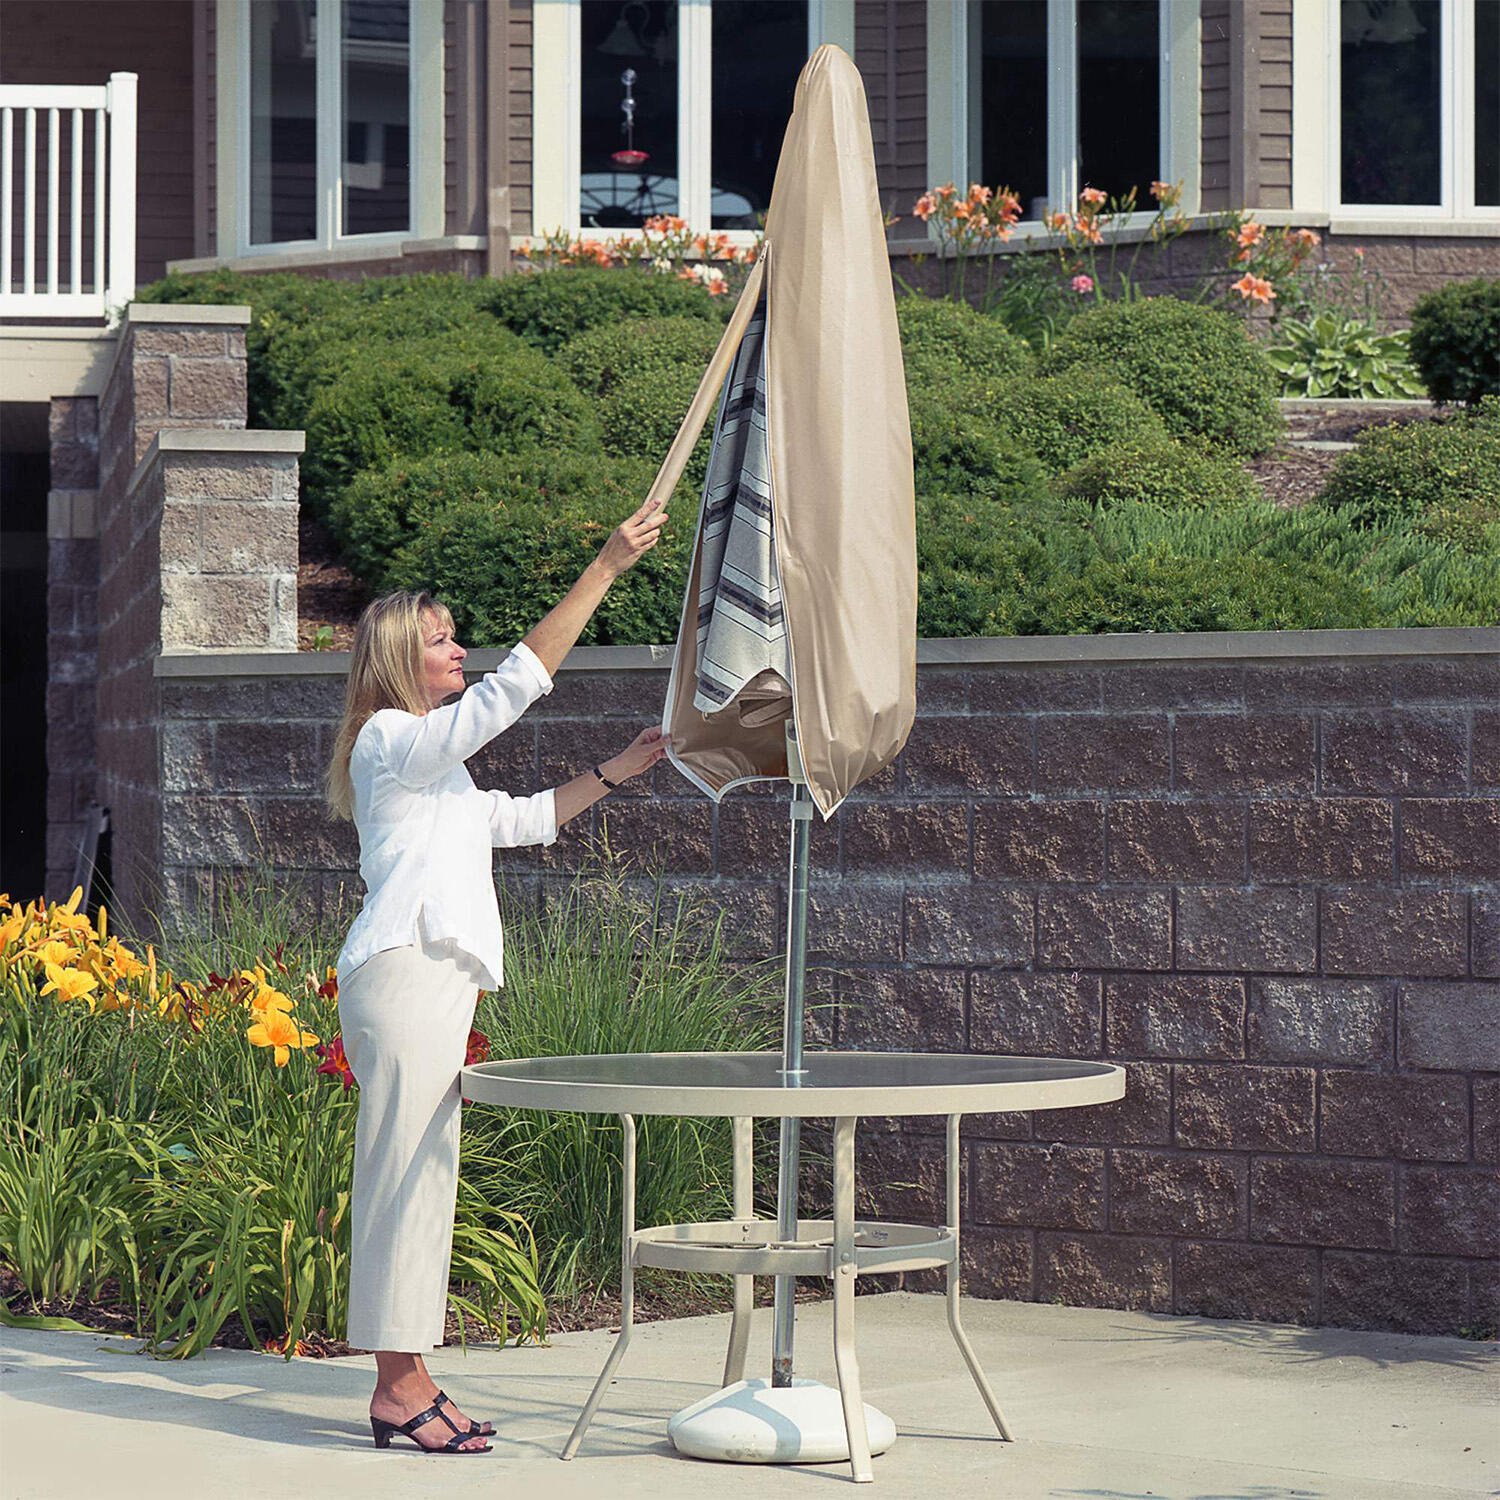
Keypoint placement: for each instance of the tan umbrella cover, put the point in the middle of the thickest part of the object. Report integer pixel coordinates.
(839, 441)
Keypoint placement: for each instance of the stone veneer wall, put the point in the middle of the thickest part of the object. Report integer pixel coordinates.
(1261, 871)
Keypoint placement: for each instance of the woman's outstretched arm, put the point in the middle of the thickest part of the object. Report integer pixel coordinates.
(556, 633)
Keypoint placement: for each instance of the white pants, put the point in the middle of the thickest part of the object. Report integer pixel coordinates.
(405, 1015)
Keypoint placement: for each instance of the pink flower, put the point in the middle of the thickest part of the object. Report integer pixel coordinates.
(1093, 197)
(1083, 285)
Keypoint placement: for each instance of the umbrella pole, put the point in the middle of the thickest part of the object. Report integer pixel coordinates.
(785, 1312)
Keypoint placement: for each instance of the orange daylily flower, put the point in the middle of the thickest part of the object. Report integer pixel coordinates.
(1255, 288)
(278, 1031)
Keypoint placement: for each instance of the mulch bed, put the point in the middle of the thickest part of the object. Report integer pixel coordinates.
(1290, 476)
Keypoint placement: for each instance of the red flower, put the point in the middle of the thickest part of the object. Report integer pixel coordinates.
(478, 1050)
(334, 1063)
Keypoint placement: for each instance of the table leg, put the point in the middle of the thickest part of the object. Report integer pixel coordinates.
(744, 1286)
(845, 1269)
(627, 1287)
(954, 1325)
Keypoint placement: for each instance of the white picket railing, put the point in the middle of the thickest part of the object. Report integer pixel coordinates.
(38, 238)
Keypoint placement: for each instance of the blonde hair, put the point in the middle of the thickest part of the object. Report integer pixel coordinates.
(385, 671)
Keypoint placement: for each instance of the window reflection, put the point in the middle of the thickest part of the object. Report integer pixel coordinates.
(1487, 103)
(628, 129)
(1119, 95)
(1010, 40)
(759, 47)
(1390, 55)
(283, 121)
(377, 116)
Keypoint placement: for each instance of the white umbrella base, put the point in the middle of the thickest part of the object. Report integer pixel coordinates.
(754, 1422)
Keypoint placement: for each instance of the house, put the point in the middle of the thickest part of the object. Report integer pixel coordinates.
(383, 136)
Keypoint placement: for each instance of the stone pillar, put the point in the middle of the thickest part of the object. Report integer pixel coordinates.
(72, 630)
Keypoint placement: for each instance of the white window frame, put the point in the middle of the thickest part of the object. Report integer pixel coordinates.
(953, 88)
(1317, 123)
(557, 62)
(425, 112)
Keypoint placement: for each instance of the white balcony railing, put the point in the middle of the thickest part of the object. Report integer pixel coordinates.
(81, 265)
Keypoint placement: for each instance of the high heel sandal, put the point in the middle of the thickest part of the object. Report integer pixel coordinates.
(384, 1431)
(476, 1429)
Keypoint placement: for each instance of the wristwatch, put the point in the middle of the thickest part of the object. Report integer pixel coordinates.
(605, 779)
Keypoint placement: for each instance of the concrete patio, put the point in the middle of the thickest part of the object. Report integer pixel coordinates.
(1104, 1404)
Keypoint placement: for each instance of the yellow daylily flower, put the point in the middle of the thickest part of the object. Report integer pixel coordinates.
(12, 928)
(278, 1030)
(125, 964)
(54, 953)
(69, 984)
(269, 1000)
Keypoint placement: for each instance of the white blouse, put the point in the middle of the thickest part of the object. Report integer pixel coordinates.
(426, 831)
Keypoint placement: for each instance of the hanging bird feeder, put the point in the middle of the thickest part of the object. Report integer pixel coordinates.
(628, 158)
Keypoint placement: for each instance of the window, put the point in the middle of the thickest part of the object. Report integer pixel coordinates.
(648, 107)
(1065, 94)
(325, 132)
(1416, 114)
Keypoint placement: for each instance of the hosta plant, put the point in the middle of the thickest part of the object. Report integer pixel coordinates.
(1334, 355)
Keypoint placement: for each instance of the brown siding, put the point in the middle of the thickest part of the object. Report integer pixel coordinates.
(890, 50)
(1274, 80)
(518, 96)
(83, 43)
(1215, 105)
(205, 128)
(463, 117)
(1246, 109)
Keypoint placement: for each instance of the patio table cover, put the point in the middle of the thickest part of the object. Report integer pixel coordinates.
(835, 533)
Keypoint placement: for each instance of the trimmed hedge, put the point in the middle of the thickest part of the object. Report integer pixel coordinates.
(547, 308)
(502, 539)
(438, 395)
(1196, 367)
(1077, 412)
(1455, 340)
(1174, 476)
(640, 416)
(600, 359)
(1440, 477)
(959, 450)
(941, 338)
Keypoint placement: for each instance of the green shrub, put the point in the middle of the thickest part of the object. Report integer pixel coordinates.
(1065, 418)
(1195, 366)
(1455, 340)
(941, 338)
(547, 308)
(1161, 591)
(1174, 476)
(599, 359)
(505, 537)
(958, 450)
(640, 416)
(435, 396)
(1443, 475)
(979, 564)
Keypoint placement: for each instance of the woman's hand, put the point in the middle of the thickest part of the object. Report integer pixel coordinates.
(639, 755)
(631, 540)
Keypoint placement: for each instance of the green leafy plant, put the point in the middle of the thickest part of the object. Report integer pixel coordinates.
(1174, 476)
(1333, 355)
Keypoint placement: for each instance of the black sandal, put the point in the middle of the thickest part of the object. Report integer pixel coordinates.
(476, 1429)
(384, 1431)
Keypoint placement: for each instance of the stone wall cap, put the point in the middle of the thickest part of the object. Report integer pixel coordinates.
(228, 440)
(234, 441)
(1026, 650)
(235, 315)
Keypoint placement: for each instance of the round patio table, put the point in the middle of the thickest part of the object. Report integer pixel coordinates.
(746, 1086)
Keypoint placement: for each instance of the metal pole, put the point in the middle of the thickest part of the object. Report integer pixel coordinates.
(785, 1312)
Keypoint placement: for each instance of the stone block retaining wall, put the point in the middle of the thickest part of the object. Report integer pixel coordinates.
(1266, 881)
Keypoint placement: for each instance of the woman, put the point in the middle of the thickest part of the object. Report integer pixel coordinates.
(428, 939)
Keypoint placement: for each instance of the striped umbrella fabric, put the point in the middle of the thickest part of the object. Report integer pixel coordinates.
(741, 637)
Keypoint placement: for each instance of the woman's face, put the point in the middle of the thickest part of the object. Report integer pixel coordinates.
(442, 660)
